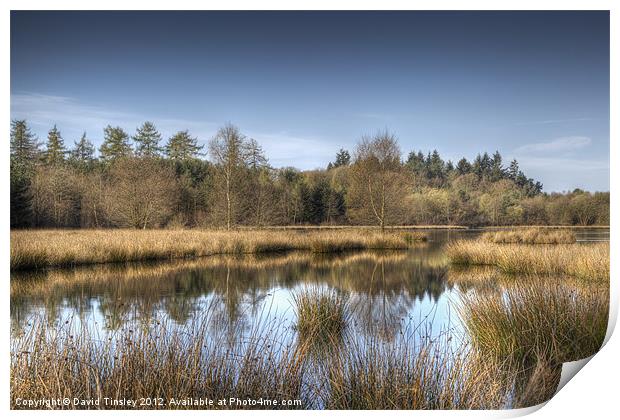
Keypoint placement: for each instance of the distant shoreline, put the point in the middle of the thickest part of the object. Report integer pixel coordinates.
(327, 227)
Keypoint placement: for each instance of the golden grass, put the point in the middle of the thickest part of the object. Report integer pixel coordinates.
(66, 248)
(365, 227)
(585, 261)
(530, 236)
(563, 320)
(161, 362)
(167, 360)
(431, 375)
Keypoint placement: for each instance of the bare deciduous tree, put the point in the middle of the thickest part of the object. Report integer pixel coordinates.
(378, 184)
(230, 152)
(54, 192)
(138, 204)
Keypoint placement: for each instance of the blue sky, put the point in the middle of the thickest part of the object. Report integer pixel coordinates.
(533, 85)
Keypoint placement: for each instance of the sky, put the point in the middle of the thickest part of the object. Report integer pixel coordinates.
(532, 85)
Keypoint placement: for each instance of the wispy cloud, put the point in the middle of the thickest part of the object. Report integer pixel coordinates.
(566, 164)
(565, 174)
(373, 116)
(284, 149)
(558, 145)
(553, 121)
(74, 117)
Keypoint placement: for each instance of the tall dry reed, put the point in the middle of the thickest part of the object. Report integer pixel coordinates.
(565, 320)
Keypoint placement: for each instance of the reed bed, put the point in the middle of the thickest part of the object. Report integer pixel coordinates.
(530, 236)
(67, 248)
(564, 320)
(159, 363)
(588, 262)
(433, 376)
(167, 360)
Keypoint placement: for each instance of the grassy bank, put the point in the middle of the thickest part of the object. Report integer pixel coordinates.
(588, 262)
(67, 248)
(530, 236)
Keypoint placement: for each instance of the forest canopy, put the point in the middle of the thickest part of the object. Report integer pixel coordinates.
(144, 181)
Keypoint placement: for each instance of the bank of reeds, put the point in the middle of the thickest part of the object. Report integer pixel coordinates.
(585, 261)
(530, 236)
(168, 360)
(67, 248)
(565, 320)
(159, 363)
(433, 376)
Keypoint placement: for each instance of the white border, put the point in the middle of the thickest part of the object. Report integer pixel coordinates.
(592, 394)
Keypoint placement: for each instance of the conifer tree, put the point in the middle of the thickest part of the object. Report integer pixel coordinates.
(463, 167)
(55, 148)
(182, 146)
(497, 171)
(24, 145)
(255, 156)
(83, 154)
(513, 170)
(24, 153)
(343, 158)
(115, 144)
(147, 140)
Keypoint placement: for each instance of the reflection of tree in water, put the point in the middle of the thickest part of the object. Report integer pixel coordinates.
(384, 284)
(390, 294)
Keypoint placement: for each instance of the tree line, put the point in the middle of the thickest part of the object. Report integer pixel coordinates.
(142, 181)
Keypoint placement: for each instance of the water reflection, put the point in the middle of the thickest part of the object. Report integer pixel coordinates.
(384, 289)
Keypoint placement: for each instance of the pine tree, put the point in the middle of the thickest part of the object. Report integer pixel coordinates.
(416, 163)
(436, 165)
(147, 140)
(513, 170)
(24, 144)
(83, 154)
(115, 144)
(343, 158)
(255, 156)
(463, 167)
(55, 148)
(497, 171)
(24, 153)
(485, 164)
(182, 146)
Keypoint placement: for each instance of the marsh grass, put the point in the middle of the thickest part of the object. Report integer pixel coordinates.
(322, 315)
(162, 361)
(537, 383)
(562, 319)
(585, 261)
(166, 359)
(432, 375)
(67, 248)
(530, 236)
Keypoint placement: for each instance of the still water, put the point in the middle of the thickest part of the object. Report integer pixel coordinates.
(390, 293)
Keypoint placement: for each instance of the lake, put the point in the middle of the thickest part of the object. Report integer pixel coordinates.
(392, 296)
